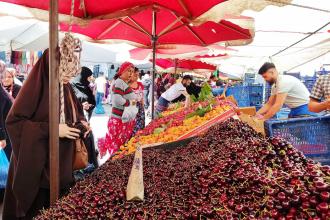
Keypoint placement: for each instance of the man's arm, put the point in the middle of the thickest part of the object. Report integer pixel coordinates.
(188, 101)
(267, 106)
(315, 106)
(279, 101)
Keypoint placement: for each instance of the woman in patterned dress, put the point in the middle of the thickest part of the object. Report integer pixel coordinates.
(138, 90)
(122, 96)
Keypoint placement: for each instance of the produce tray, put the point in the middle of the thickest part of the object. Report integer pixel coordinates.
(204, 127)
(188, 137)
(309, 135)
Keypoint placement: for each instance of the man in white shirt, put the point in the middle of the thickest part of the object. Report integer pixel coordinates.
(100, 84)
(286, 90)
(173, 93)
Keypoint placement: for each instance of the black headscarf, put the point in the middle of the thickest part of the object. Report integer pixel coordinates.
(81, 87)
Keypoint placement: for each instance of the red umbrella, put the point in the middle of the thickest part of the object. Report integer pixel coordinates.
(210, 56)
(92, 8)
(140, 33)
(146, 22)
(178, 51)
(159, 25)
(186, 65)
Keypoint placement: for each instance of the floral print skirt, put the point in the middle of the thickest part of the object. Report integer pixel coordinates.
(140, 119)
(118, 134)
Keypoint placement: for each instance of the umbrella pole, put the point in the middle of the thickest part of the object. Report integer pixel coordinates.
(176, 65)
(53, 102)
(154, 41)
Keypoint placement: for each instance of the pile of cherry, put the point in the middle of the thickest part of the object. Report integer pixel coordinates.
(229, 173)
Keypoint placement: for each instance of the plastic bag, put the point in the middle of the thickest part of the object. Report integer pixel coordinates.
(129, 113)
(4, 166)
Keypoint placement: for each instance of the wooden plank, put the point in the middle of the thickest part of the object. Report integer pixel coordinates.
(53, 102)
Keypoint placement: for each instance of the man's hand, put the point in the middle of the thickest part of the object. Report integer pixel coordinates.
(258, 116)
(133, 102)
(3, 144)
(328, 103)
(66, 132)
(86, 106)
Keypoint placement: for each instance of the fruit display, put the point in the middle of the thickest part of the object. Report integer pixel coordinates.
(231, 172)
(176, 107)
(170, 127)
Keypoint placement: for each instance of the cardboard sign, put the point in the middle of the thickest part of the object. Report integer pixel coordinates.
(135, 186)
(257, 125)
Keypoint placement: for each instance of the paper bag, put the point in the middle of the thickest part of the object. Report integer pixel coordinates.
(248, 110)
(232, 99)
(257, 125)
(135, 186)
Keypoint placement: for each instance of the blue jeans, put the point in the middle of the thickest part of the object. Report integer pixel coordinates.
(301, 111)
(99, 108)
(162, 105)
(146, 98)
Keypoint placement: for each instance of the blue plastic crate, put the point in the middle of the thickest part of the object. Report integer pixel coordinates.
(268, 91)
(251, 95)
(241, 94)
(256, 93)
(309, 135)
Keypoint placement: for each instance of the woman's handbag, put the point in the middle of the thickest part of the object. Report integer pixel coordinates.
(80, 156)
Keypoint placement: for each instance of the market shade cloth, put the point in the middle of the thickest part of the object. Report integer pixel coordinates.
(188, 65)
(180, 51)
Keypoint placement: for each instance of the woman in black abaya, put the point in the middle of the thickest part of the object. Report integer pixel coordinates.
(84, 93)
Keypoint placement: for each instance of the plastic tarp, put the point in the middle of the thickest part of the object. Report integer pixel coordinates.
(279, 27)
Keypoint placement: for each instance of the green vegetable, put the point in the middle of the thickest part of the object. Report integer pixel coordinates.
(205, 94)
(200, 111)
(159, 130)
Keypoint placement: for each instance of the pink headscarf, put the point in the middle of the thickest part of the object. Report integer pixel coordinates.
(124, 67)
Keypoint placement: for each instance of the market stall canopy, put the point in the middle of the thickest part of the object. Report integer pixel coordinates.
(172, 65)
(277, 29)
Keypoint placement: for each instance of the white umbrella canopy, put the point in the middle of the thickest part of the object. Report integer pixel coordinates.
(16, 33)
(33, 35)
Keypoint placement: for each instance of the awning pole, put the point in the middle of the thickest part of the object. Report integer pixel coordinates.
(154, 42)
(53, 102)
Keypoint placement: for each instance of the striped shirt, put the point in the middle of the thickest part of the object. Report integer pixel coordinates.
(120, 97)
